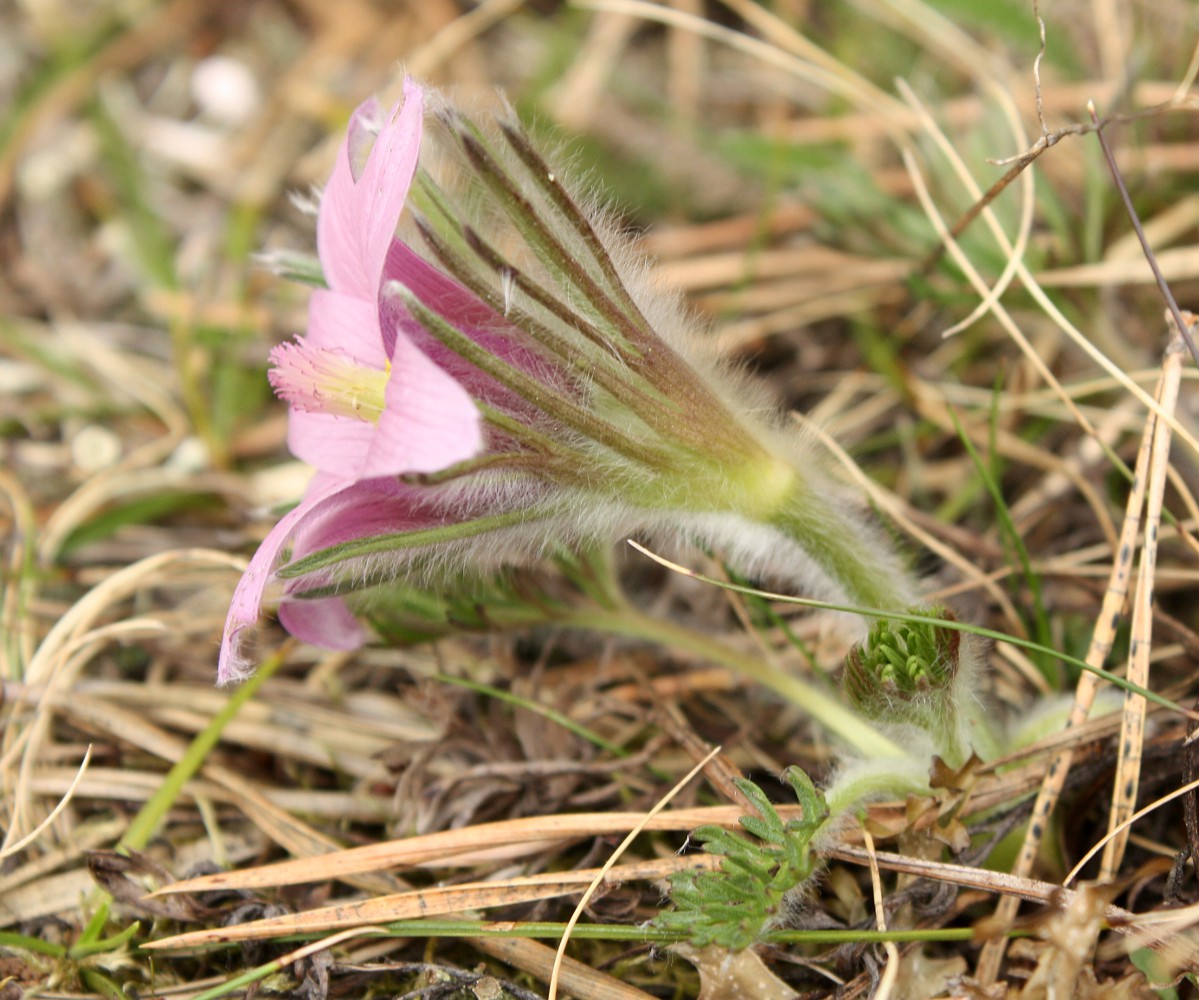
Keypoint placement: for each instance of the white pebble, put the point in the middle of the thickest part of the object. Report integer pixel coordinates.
(190, 457)
(95, 448)
(225, 90)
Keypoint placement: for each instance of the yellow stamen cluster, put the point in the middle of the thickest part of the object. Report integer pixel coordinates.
(317, 380)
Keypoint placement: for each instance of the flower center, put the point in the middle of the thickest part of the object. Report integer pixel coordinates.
(318, 380)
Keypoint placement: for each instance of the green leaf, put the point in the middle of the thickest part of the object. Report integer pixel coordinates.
(733, 907)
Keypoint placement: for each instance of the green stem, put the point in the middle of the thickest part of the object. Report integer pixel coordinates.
(554, 716)
(11, 940)
(147, 821)
(636, 933)
(145, 824)
(82, 950)
(886, 779)
(850, 552)
(978, 728)
(824, 708)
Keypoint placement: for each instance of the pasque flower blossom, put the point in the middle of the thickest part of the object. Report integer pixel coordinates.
(492, 373)
(362, 407)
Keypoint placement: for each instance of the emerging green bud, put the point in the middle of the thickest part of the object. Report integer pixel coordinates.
(920, 674)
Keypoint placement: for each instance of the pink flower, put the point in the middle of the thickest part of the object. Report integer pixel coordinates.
(357, 411)
(365, 402)
(362, 405)
(479, 290)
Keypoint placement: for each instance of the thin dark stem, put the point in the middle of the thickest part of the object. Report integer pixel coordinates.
(932, 258)
(1046, 141)
(1184, 328)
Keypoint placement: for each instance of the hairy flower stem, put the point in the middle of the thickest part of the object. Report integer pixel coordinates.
(845, 549)
(826, 709)
(979, 724)
(874, 782)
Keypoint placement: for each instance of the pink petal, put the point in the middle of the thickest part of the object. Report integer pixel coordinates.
(333, 511)
(364, 509)
(471, 316)
(435, 289)
(246, 606)
(363, 129)
(337, 444)
(343, 323)
(325, 622)
(357, 218)
(460, 306)
(429, 421)
(367, 508)
(333, 444)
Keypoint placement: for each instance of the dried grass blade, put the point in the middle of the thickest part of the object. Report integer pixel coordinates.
(602, 873)
(890, 974)
(433, 846)
(1188, 790)
(577, 96)
(458, 33)
(1132, 734)
(814, 66)
(56, 664)
(537, 959)
(437, 901)
(66, 797)
(1102, 636)
(275, 822)
(966, 876)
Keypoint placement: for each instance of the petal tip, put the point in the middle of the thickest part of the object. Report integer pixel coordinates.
(234, 665)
